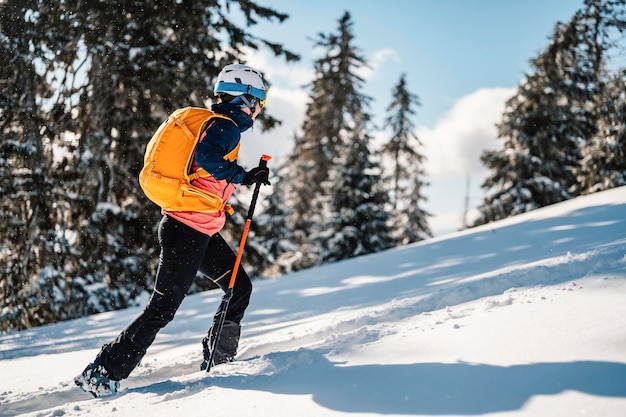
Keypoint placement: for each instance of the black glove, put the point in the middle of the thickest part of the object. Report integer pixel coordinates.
(258, 174)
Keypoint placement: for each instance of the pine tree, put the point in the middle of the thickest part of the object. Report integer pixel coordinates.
(335, 118)
(297, 190)
(558, 118)
(543, 127)
(275, 235)
(416, 226)
(407, 168)
(604, 155)
(359, 222)
(604, 158)
(117, 71)
(528, 172)
(33, 236)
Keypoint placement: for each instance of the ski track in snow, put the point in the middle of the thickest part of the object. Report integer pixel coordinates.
(368, 324)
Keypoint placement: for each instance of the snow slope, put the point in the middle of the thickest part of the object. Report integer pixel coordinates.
(523, 317)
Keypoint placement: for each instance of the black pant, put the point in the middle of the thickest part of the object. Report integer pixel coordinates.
(184, 252)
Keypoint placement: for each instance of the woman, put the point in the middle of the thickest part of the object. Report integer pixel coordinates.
(190, 241)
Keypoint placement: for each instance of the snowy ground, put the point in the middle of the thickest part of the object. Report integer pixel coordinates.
(524, 317)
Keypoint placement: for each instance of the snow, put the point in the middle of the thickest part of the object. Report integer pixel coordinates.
(523, 317)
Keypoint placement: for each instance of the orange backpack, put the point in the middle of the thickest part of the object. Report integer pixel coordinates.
(165, 177)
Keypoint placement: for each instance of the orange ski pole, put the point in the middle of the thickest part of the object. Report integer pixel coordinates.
(229, 291)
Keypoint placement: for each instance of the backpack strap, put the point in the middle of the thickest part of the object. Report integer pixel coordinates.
(231, 156)
(228, 209)
(200, 173)
(180, 123)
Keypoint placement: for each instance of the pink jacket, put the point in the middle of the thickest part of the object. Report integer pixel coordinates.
(207, 223)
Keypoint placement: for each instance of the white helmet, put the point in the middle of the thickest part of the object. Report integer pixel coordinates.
(239, 79)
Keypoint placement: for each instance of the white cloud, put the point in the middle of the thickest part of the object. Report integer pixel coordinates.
(287, 99)
(376, 62)
(287, 105)
(278, 73)
(454, 145)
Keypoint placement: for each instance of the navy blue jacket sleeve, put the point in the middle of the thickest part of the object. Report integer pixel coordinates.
(219, 139)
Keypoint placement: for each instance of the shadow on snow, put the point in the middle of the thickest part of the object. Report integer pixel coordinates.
(421, 388)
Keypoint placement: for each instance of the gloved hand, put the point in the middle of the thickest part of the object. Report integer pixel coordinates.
(257, 174)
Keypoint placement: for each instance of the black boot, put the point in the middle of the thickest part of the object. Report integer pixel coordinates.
(96, 380)
(226, 348)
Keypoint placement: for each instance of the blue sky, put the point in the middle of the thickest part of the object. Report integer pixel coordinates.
(462, 58)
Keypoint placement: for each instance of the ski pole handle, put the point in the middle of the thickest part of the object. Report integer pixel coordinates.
(264, 159)
(255, 194)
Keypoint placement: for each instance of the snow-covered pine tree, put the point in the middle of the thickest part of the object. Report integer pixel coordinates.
(543, 125)
(298, 189)
(34, 239)
(120, 68)
(554, 116)
(358, 223)
(274, 233)
(604, 157)
(405, 167)
(332, 122)
(416, 226)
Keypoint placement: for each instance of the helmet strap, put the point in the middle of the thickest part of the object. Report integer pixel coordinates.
(250, 104)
